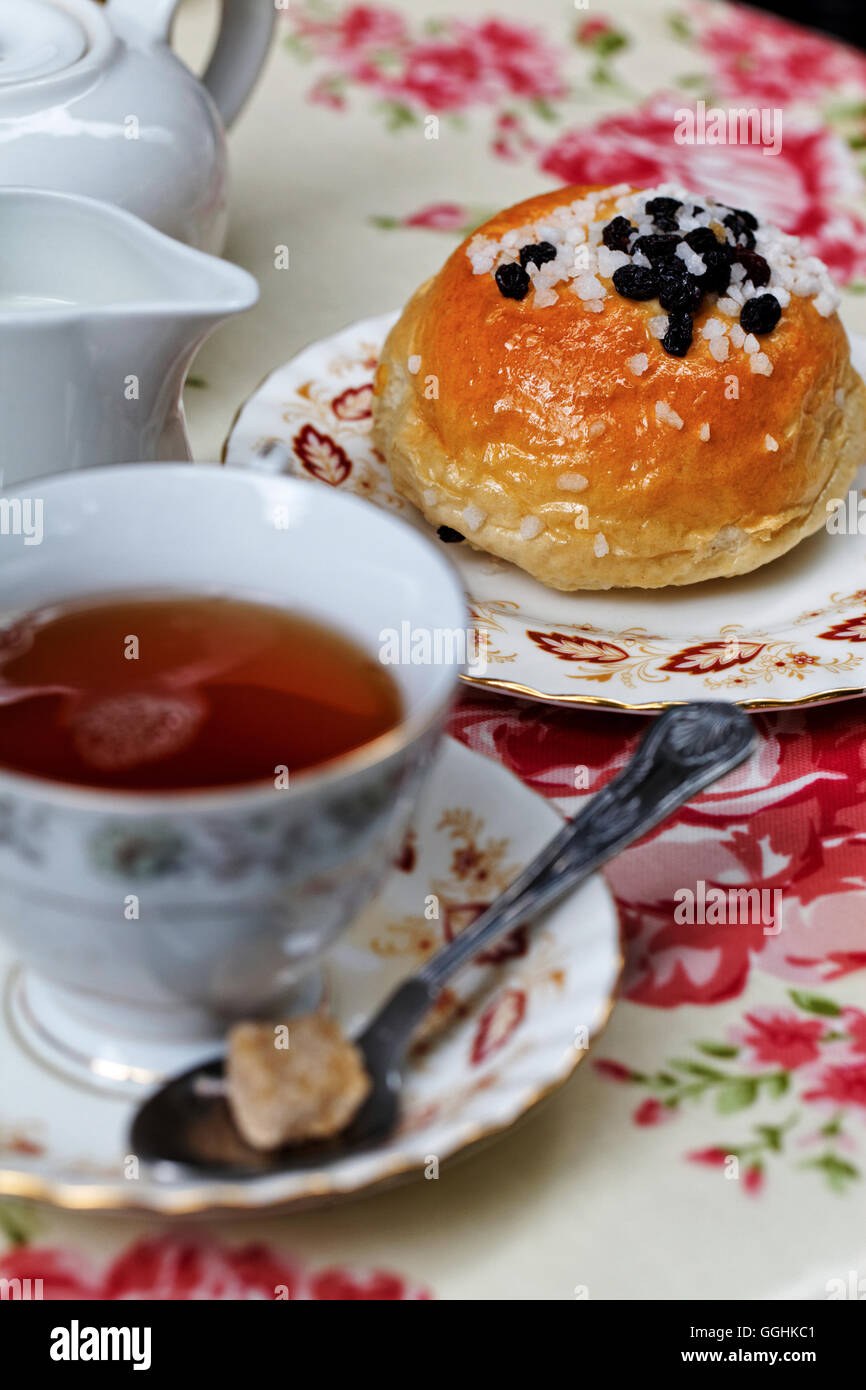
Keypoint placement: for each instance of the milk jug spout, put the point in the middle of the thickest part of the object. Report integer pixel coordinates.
(100, 318)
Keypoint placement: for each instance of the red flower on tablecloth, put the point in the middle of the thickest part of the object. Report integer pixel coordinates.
(792, 819)
(589, 31)
(670, 961)
(811, 822)
(711, 1158)
(354, 38)
(52, 1274)
(614, 1071)
(342, 1284)
(800, 189)
(839, 963)
(754, 1068)
(668, 964)
(184, 1270)
(757, 55)
(835, 963)
(855, 1024)
(651, 1112)
(439, 217)
(841, 1084)
(456, 66)
(820, 941)
(512, 139)
(808, 186)
(753, 1179)
(443, 76)
(555, 754)
(327, 92)
(783, 1038)
(168, 1269)
(525, 64)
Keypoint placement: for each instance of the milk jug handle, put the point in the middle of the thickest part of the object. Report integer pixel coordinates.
(242, 43)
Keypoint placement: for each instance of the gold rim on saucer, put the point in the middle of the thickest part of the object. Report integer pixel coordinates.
(94, 1198)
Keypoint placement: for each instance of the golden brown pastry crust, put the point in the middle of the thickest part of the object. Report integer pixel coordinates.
(482, 402)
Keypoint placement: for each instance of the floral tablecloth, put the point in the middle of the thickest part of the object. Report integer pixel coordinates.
(715, 1143)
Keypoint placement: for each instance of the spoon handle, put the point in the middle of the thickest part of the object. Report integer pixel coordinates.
(685, 750)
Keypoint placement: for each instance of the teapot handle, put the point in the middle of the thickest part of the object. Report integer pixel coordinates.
(242, 44)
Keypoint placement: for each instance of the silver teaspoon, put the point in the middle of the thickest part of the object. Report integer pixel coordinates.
(187, 1121)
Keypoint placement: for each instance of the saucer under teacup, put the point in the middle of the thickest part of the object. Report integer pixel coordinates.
(513, 1031)
(100, 1046)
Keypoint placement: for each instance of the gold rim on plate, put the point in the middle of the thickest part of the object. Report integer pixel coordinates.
(526, 692)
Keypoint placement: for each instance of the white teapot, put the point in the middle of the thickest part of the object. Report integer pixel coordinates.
(93, 101)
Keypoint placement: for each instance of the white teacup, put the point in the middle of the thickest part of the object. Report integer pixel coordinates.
(145, 921)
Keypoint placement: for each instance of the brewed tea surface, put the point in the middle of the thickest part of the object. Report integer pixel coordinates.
(144, 693)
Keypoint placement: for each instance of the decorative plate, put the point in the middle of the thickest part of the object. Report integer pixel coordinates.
(514, 1029)
(791, 633)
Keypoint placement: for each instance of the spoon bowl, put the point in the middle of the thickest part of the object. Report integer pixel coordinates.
(189, 1121)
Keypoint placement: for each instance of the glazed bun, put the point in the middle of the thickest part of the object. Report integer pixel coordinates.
(612, 387)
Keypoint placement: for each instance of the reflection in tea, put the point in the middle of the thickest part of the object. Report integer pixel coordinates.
(146, 693)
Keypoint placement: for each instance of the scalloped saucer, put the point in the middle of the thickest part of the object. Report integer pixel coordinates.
(512, 1032)
(791, 633)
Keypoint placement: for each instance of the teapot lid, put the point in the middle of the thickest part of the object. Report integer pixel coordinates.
(38, 38)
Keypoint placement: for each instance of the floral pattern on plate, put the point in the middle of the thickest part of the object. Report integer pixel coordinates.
(624, 649)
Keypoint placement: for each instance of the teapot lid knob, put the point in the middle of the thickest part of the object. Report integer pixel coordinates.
(37, 38)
